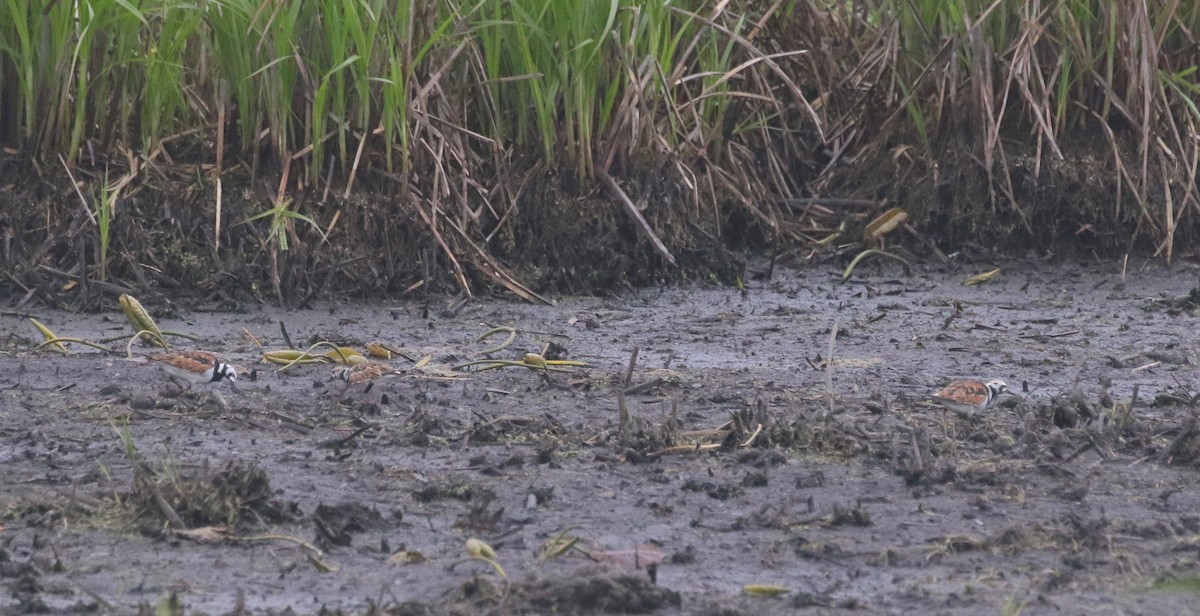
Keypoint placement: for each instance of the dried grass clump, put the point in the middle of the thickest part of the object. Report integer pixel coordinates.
(235, 495)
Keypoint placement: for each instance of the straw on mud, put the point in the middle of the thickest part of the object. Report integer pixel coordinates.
(829, 392)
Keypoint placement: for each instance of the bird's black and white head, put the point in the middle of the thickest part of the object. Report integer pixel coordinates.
(226, 372)
(995, 388)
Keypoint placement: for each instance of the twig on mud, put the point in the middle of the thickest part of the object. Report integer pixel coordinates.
(641, 387)
(1039, 337)
(286, 338)
(632, 362)
(694, 448)
(1153, 364)
(146, 478)
(338, 443)
(313, 552)
(958, 312)
(252, 338)
(291, 422)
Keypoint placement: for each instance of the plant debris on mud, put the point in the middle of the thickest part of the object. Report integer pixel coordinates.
(719, 451)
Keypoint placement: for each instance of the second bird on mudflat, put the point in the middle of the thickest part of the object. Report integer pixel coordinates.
(364, 373)
(969, 396)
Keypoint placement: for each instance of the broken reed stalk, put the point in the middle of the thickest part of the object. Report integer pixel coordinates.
(286, 338)
(829, 392)
(632, 210)
(624, 419)
(632, 362)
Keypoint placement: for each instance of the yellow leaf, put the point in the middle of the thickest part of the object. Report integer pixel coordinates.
(287, 356)
(983, 278)
(765, 590)
(58, 347)
(140, 320)
(346, 355)
(885, 223)
(479, 549)
(482, 551)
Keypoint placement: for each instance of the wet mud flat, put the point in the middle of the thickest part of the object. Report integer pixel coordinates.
(734, 453)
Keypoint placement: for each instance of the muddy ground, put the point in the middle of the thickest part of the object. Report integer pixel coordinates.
(1079, 493)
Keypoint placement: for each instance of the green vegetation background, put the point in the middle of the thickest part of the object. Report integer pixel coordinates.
(553, 144)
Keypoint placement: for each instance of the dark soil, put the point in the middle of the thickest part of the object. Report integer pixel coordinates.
(740, 457)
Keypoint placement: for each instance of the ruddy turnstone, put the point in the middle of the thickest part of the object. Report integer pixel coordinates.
(195, 367)
(366, 372)
(968, 396)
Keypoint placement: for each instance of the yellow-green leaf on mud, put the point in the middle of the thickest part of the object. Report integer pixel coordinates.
(57, 347)
(290, 356)
(765, 590)
(346, 355)
(983, 278)
(140, 319)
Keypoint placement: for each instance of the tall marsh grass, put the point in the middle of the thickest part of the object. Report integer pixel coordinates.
(749, 102)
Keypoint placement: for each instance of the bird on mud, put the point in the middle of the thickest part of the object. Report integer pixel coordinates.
(366, 372)
(969, 396)
(195, 367)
